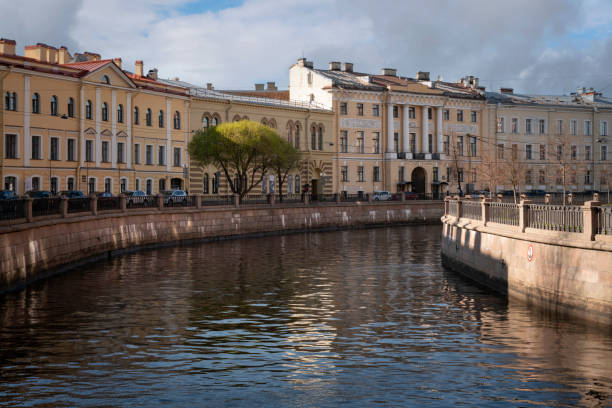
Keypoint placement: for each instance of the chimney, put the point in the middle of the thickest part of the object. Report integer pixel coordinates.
(334, 66)
(152, 74)
(92, 56)
(51, 55)
(308, 64)
(7, 46)
(422, 76)
(272, 86)
(37, 52)
(259, 87)
(347, 67)
(389, 71)
(139, 69)
(301, 62)
(506, 90)
(117, 62)
(63, 56)
(209, 86)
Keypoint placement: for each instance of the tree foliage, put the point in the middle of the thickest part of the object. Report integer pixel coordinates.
(283, 158)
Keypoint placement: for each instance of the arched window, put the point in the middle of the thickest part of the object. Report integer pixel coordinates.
(71, 107)
(289, 184)
(54, 105)
(106, 79)
(149, 118)
(320, 133)
(313, 138)
(35, 103)
(297, 136)
(92, 185)
(105, 112)
(7, 101)
(107, 185)
(290, 133)
(88, 110)
(14, 101)
(162, 185)
(215, 183)
(136, 115)
(70, 183)
(205, 122)
(205, 183)
(35, 183)
(120, 113)
(237, 118)
(54, 186)
(215, 121)
(10, 101)
(298, 188)
(177, 120)
(149, 187)
(160, 119)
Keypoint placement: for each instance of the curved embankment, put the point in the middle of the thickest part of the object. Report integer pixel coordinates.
(35, 250)
(559, 272)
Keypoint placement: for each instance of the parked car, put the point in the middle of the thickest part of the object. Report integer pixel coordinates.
(534, 193)
(136, 197)
(103, 194)
(7, 195)
(175, 197)
(409, 195)
(39, 194)
(72, 194)
(382, 196)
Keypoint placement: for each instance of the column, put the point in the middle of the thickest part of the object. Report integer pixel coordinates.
(390, 130)
(425, 130)
(439, 133)
(406, 129)
(27, 139)
(114, 128)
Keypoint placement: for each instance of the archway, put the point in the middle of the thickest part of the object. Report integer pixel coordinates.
(418, 180)
(316, 184)
(176, 184)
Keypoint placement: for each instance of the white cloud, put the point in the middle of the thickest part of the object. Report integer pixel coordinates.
(548, 46)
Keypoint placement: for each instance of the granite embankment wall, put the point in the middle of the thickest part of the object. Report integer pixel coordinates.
(30, 251)
(561, 272)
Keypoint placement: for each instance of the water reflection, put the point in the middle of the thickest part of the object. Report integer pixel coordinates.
(364, 317)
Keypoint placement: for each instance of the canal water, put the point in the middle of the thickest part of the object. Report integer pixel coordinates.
(354, 318)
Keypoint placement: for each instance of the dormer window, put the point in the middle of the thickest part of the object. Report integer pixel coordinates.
(106, 79)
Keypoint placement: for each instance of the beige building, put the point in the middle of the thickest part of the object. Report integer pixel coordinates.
(395, 133)
(556, 141)
(77, 122)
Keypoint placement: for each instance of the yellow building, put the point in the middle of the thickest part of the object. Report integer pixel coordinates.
(82, 123)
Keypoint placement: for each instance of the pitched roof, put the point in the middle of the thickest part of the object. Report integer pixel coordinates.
(88, 66)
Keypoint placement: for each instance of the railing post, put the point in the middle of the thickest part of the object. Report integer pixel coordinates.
(236, 200)
(64, 206)
(27, 210)
(198, 200)
(306, 198)
(369, 196)
(590, 212)
(94, 204)
(485, 210)
(459, 207)
(338, 198)
(547, 199)
(500, 198)
(402, 196)
(123, 203)
(524, 214)
(271, 199)
(160, 201)
(446, 205)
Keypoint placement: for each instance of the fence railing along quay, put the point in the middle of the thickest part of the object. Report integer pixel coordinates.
(590, 219)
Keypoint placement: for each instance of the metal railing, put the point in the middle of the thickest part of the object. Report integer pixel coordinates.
(77, 205)
(255, 199)
(504, 213)
(180, 201)
(604, 223)
(149, 201)
(452, 208)
(109, 203)
(567, 218)
(351, 198)
(471, 210)
(45, 206)
(12, 209)
(330, 198)
(289, 198)
(214, 199)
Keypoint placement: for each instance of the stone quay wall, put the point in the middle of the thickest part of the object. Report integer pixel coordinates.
(558, 258)
(32, 250)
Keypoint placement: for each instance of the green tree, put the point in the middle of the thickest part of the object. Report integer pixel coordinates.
(242, 150)
(283, 158)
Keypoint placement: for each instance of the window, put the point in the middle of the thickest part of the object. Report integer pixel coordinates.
(343, 108)
(106, 79)
(411, 113)
(515, 125)
(177, 157)
(216, 180)
(528, 128)
(89, 150)
(528, 152)
(162, 184)
(445, 144)
(35, 103)
(137, 184)
(92, 185)
(71, 107)
(343, 141)
(54, 105)
(205, 122)
(395, 141)
(459, 115)
(35, 183)
(136, 154)
(473, 116)
(542, 126)
(460, 174)
(574, 152)
(161, 156)
(446, 114)
(148, 117)
(573, 127)
(500, 151)
(460, 145)
(436, 175)
(105, 112)
(313, 138)
(587, 177)
(160, 119)
(70, 184)
(360, 109)
(360, 176)
(514, 152)
(343, 174)
(10, 183)
(297, 135)
(123, 185)
(360, 143)
(542, 177)
(7, 97)
(448, 173)
(177, 120)
(105, 158)
(376, 143)
(430, 143)
(603, 128)
(473, 146)
(36, 153)
(376, 174)
(88, 110)
(604, 152)
(149, 187)
(375, 110)
(53, 186)
(412, 142)
(501, 125)
(395, 111)
(107, 185)
(205, 184)
(588, 128)
(11, 101)
(149, 155)
(54, 149)
(120, 113)
(559, 152)
(120, 152)
(10, 146)
(559, 126)
(320, 137)
(528, 177)
(136, 115)
(289, 184)
(542, 152)
(587, 152)
(215, 121)
(297, 183)
(429, 113)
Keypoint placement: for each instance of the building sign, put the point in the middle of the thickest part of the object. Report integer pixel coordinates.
(356, 123)
(461, 128)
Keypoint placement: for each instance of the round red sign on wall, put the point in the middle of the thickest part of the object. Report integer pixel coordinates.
(530, 253)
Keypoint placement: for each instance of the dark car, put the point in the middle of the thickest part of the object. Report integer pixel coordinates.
(535, 193)
(39, 194)
(409, 195)
(103, 194)
(7, 195)
(73, 194)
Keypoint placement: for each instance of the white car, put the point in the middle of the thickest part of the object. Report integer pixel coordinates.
(382, 196)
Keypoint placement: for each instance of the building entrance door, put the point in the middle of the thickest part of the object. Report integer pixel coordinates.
(418, 180)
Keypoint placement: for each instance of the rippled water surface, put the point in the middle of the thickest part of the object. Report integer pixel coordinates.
(357, 318)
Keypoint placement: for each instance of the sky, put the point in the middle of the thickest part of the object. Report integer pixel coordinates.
(534, 46)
